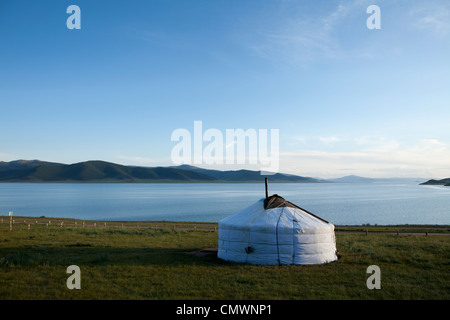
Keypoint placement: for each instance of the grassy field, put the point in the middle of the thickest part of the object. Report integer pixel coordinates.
(158, 261)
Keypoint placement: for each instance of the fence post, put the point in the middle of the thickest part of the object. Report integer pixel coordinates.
(10, 220)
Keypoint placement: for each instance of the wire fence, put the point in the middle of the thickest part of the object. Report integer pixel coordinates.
(32, 222)
(49, 222)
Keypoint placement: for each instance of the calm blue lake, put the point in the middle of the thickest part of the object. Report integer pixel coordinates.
(339, 203)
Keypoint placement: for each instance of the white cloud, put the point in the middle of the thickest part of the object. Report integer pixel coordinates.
(330, 139)
(301, 36)
(432, 16)
(377, 144)
(426, 158)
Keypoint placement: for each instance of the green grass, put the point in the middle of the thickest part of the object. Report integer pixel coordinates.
(151, 263)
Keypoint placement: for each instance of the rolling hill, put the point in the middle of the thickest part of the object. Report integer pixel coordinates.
(445, 182)
(101, 171)
(93, 171)
(246, 175)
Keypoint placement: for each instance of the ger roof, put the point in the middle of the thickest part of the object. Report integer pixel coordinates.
(276, 201)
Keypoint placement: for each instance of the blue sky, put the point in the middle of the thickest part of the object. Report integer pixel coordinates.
(346, 99)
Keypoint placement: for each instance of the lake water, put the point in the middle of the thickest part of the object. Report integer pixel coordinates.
(339, 203)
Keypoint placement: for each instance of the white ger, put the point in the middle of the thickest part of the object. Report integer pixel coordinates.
(274, 231)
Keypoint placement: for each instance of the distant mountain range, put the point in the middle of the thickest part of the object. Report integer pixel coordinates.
(101, 171)
(358, 179)
(445, 182)
(352, 178)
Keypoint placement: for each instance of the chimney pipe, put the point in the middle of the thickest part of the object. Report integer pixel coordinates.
(267, 188)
